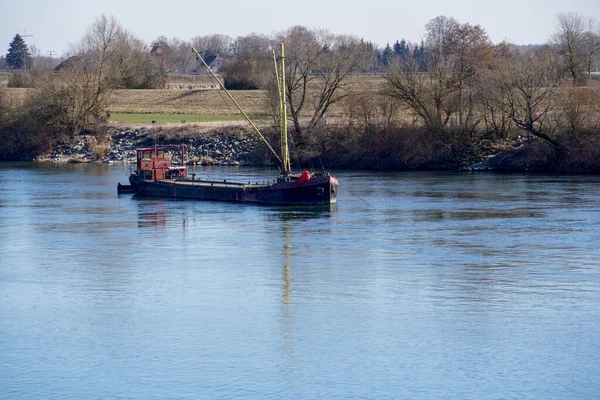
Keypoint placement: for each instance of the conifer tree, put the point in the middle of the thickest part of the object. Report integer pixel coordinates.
(18, 56)
(397, 47)
(420, 56)
(401, 49)
(387, 54)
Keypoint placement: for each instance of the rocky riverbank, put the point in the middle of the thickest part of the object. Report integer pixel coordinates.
(228, 145)
(221, 146)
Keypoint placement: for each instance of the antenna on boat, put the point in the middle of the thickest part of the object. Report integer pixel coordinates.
(199, 58)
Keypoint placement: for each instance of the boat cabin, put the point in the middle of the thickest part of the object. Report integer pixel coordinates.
(154, 163)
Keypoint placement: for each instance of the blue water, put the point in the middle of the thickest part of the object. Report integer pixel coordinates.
(416, 285)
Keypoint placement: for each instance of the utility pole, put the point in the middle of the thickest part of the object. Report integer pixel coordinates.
(50, 53)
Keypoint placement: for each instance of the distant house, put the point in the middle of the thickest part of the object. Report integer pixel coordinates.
(71, 63)
(159, 60)
(156, 50)
(214, 62)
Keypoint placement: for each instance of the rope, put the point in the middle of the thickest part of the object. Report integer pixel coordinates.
(355, 195)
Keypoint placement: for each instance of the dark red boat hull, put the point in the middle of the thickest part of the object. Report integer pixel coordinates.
(319, 190)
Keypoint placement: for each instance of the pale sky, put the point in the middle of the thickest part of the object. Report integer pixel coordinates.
(54, 25)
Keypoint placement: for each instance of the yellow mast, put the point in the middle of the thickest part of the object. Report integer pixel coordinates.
(285, 153)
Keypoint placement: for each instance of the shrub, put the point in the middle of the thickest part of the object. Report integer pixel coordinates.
(19, 79)
(238, 76)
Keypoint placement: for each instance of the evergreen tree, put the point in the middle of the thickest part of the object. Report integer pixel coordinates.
(370, 48)
(397, 47)
(404, 49)
(401, 49)
(18, 56)
(420, 56)
(386, 56)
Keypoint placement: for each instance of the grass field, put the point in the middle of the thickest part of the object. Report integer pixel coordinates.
(203, 102)
(137, 118)
(184, 99)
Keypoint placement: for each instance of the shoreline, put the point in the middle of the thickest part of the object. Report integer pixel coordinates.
(234, 145)
(225, 146)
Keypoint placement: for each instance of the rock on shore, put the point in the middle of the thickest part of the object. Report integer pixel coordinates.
(224, 146)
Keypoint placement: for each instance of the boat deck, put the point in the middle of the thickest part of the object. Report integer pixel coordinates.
(216, 184)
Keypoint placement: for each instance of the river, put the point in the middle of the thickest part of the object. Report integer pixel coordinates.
(415, 285)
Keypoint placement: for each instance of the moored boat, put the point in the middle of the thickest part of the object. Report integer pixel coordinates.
(156, 176)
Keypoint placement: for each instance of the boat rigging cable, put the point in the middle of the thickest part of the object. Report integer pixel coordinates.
(199, 58)
(355, 195)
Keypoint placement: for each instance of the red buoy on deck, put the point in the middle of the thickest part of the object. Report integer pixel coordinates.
(304, 176)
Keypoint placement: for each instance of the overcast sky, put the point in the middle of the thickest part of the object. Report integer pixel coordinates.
(54, 25)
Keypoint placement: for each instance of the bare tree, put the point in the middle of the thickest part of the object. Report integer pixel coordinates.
(569, 40)
(113, 55)
(68, 102)
(591, 44)
(345, 55)
(368, 108)
(253, 59)
(529, 82)
(305, 50)
(470, 51)
(254, 46)
(428, 96)
(183, 55)
(96, 47)
(175, 53)
(490, 94)
(3, 105)
(89, 74)
(215, 44)
(441, 35)
(318, 67)
(76, 97)
(42, 64)
(444, 95)
(129, 64)
(580, 109)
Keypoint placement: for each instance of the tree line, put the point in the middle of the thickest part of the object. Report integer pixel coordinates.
(448, 101)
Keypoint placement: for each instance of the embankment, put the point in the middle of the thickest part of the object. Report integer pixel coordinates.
(220, 146)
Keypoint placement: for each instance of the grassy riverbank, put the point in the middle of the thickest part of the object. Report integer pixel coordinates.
(363, 130)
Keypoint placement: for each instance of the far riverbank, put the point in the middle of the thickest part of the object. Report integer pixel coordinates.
(218, 146)
(223, 144)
